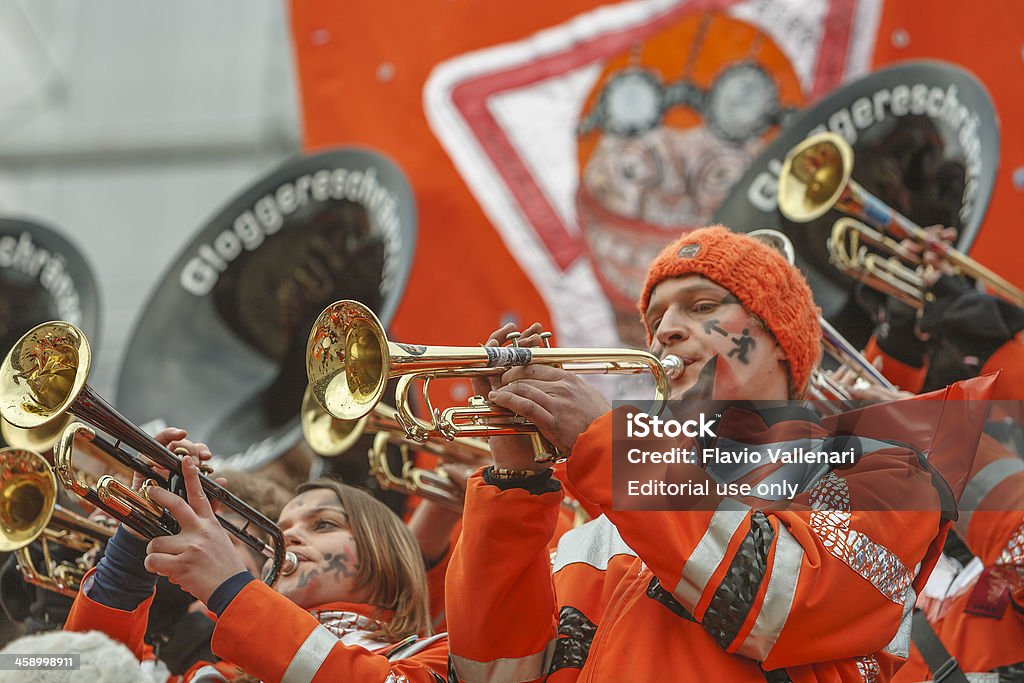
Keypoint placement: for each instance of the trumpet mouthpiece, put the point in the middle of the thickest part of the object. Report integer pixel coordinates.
(291, 563)
(672, 365)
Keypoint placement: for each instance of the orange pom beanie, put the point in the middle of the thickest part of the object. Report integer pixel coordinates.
(761, 278)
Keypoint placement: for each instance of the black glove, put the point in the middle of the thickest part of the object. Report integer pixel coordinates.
(897, 334)
(976, 324)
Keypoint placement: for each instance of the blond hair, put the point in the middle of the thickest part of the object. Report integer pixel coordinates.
(390, 563)
(258, 490)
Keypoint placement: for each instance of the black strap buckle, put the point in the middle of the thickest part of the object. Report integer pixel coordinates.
(949, 668)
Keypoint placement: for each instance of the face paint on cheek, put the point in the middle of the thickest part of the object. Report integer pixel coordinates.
(744, 343)
(704, 387)
(306, 578)
(340, 565)
(712, 326)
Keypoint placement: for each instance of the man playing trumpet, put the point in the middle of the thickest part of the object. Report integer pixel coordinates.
(715, 589)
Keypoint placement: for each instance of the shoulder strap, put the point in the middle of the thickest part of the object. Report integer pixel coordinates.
(945, 668)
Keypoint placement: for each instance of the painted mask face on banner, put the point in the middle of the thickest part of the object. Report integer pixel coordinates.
(668, 130)
(666, 177)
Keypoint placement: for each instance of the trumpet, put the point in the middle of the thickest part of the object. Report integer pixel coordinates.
(349, 361)
(433, 484)
(848, 248)
(43, 380)
(822, 387)
(29, 512)
(329, 436)
(816, 177)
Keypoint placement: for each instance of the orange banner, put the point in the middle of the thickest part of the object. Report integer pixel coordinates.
(505, 117)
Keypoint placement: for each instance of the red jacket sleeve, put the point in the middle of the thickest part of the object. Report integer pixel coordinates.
(269, 636)
(1009, 360)
(501, 603)
(833, 580)
(125, 627)
(435, 584)
(906, 377)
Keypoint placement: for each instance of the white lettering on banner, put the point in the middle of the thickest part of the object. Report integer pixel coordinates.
(900, 100)
(266, 217)
(21, 254)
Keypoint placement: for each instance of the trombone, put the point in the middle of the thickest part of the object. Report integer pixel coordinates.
(848, 248)
(815, 177)
(42, 381)
(29, 512)
(349, 361)
(822, 387)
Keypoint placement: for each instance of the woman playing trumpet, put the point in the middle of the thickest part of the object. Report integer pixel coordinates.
(352, 609)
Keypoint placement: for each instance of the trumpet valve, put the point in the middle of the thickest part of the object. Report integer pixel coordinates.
(181, 452)
(123, 499)
(413, 431)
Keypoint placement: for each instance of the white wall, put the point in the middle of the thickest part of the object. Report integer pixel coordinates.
(126, 124)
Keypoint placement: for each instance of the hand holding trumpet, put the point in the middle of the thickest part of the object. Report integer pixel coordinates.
(935, 261)
(200, 556)
(560, 403)
(172, 438)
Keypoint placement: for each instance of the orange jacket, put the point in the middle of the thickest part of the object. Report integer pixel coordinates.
(268, 636)
(568, 517)
(713, 594)
(905, 377)
(991, 523)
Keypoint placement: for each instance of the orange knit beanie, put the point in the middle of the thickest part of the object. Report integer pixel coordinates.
(762, 279)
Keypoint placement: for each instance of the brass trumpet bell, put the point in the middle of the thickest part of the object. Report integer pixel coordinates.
(38, 440)
(814, 177)
(28, 494)
(327, 435)
(39, 378)
(347, 360)
(29, 513)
